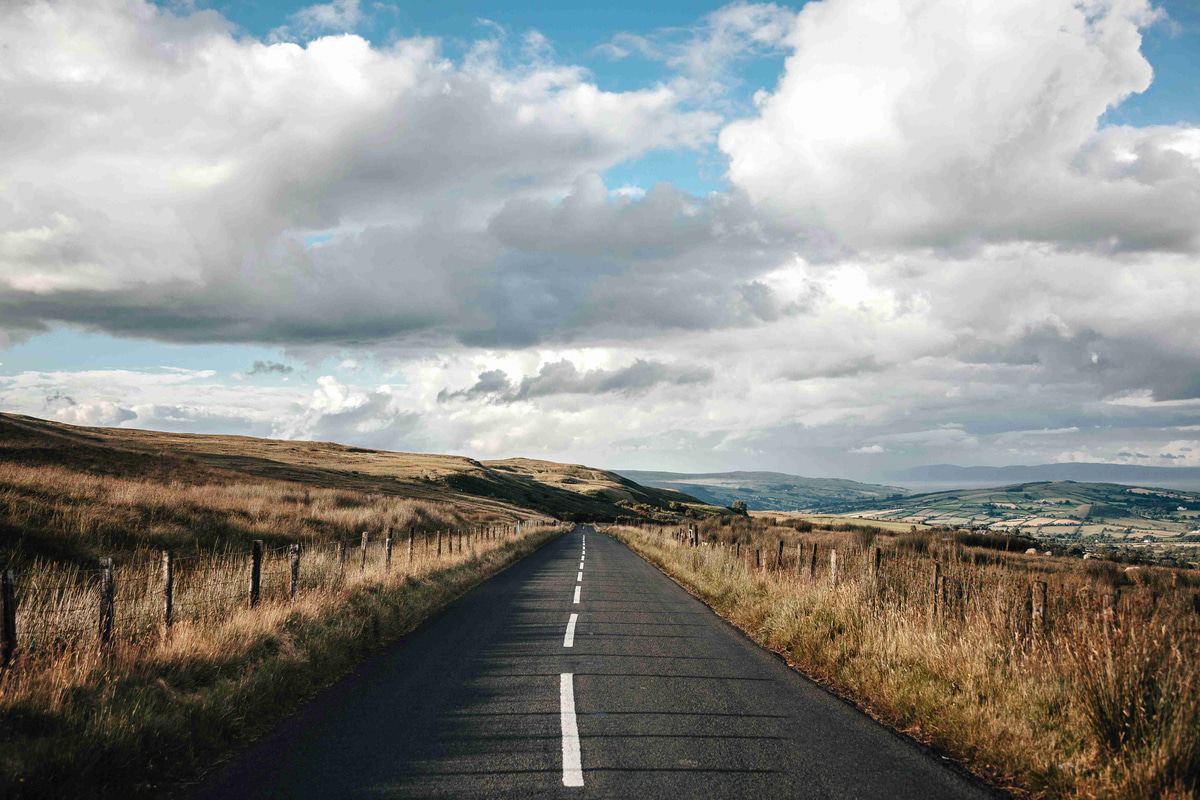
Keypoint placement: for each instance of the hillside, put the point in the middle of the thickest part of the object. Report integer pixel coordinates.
(1064, 512)
(123, 487)
(951, 476)
(768, 491)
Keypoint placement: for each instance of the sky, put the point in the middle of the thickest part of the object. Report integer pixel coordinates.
(837, 238)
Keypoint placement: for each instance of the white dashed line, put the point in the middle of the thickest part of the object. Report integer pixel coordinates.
(579, 577)
(572, 760)
(577, 589)
(569, 639)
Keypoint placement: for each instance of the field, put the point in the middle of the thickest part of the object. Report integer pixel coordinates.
(74, 495)
(106, 694)
(1045, 693)
(1162, 525)
(769, 491)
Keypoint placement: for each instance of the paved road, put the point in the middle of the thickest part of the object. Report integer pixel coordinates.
(666, 699)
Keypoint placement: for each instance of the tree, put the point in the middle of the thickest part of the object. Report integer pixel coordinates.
(738, 507)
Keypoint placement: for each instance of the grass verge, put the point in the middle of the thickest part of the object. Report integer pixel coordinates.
(154, 711)
(1086, 708)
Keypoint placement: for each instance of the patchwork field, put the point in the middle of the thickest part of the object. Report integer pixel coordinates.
(1162, 523)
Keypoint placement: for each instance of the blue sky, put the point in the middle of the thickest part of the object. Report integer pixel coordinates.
(820, 281)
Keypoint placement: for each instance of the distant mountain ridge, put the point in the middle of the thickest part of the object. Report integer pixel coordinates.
(1083, 472)
(767, 491)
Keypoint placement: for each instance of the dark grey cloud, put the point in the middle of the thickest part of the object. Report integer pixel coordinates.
(563, 377)
(58, 399)
(270, 368)
(1169, 370)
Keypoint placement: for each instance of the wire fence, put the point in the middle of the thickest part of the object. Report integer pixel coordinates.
(951, 588)
(52, 609)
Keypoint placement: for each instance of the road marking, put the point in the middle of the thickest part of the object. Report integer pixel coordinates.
(577, 588)
(581, 563)
(572, 760)
(579, 577)
(569, 639)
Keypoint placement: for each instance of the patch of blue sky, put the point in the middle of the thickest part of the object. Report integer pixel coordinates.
(69, 350)
(1173, 49)
(316, 238)
(695, 172)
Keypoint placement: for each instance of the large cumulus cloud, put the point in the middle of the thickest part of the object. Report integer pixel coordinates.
(931, 248)
(899, 122)
(163, 176)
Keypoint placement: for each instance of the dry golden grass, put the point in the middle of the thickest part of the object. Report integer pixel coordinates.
(501, 488)
(77, 719)
(1087, 709)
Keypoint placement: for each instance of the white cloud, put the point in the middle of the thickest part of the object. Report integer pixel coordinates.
(930, 251)
(900, 122)
(240, 150)
(103, 413)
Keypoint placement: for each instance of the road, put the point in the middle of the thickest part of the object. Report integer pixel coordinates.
(581, 672)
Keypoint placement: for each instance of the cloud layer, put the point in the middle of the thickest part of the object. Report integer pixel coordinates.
(931, 246)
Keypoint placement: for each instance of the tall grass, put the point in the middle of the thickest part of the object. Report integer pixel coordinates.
(79, 719)
(63, 514)
(1089, 707)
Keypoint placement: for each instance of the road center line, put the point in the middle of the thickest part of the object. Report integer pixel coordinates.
(572, 760)
(569, 639)
(577, 588)
(579, 577)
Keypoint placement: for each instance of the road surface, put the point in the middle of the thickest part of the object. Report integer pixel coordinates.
(582, 672)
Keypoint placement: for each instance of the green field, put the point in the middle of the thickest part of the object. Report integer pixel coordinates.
(768, 491)
(1088, 515)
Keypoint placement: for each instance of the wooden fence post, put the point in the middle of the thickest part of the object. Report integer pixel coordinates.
(1108, 608)
(937, 590)
(168, 574)
(294, 565)
(411, 536)
(833, 572)
(1038, 607)
(779, 559)
(812, 564)
(8, 617)
(387, 552)
(439, 552)
(362, 562)
(106, 601)
(875, 559)
(256, 551)
(757, 559)
(341, 556)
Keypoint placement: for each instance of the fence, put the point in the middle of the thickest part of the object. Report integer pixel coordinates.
(952, 588)
(54, 609)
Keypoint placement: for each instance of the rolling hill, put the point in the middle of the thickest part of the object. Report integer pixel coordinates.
(768, 491)
(1064, 511)
(120, 485)
(948, 475)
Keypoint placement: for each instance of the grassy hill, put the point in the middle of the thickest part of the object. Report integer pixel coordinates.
(950, 476)
(73, 493)
(768, 491)
(1065, 512)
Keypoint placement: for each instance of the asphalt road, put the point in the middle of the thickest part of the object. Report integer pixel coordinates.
(667, 700)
